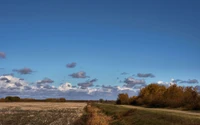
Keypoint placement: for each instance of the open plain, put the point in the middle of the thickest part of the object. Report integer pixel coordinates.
(40, 113)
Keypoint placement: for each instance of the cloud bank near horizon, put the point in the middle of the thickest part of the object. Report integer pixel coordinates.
(13, 86)
(43, 89)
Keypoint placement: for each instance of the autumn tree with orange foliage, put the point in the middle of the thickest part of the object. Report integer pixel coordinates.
(155, 95)
(152, 95)
(123, 98)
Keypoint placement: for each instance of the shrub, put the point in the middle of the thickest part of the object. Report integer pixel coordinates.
(101, 100)
(12, 99)
(123, 99)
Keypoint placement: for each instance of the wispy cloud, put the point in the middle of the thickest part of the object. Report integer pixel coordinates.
(131, 82)
(23, 71)
(80, 74)
(145, 75)
(2, 55)
(108, 87)
(45, 80)
(190, 81)
(9, 74)
(44, 84)
(87, 84)
(71, 65)
(176, 80)
(124, 73)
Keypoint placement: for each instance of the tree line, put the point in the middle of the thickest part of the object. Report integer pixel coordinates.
(155, 95)
(18, 99)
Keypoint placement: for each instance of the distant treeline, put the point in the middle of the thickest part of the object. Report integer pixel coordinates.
(155, 95)
(18, 99)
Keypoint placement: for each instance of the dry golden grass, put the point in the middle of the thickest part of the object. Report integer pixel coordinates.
(40, 113)
(96, 117)
(41, 105)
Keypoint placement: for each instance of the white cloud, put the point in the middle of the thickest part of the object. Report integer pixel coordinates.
(13, 83)
(65, 87)
(10, 85)
(167, 84)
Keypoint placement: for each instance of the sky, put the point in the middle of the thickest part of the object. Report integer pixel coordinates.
(97, 49)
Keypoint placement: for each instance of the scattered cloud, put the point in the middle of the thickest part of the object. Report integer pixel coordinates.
(108, 87)
(124, 73)
(87, 84)
(2, 55)
(10, 74)
(21, 88)
(23, 71)
(80, 74)
(190, 81)
(131, 82)
(45, 80)
(167, 84)
(44, 89)
(46, 86)
(145, 75)
(44, 83)
(71, 65)
(93, 80)
(13, 84)
(176, 80)
(65, 87)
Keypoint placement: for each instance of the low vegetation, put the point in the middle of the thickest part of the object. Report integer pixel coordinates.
(96, 117)
(134, 116)
(155, 95)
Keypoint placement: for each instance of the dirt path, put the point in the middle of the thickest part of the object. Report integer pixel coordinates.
(196, 114)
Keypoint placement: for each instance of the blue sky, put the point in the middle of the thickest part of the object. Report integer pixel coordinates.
(104, 38)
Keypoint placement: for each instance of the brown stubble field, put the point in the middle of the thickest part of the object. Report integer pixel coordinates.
(40, 113)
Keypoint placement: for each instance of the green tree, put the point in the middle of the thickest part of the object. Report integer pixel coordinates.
(12, 99)
(101, 100)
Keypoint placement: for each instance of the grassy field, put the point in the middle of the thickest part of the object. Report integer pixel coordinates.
(41, 113)
(47, 113)
(135, 116)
